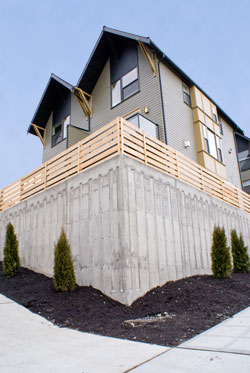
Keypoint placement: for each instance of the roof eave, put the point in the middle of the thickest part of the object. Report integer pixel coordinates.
(184, 76)
(60, 81)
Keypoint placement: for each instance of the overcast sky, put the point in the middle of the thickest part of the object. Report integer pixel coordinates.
(208, 39)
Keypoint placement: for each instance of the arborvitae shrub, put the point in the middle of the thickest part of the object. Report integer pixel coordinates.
(64, 276)
(11, 261)
(241, 261)
(221, 260)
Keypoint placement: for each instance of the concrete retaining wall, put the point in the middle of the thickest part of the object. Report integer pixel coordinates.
(130, 227)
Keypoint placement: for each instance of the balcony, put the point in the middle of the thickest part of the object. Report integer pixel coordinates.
(122, 137)
(245, 164)
(146, 125)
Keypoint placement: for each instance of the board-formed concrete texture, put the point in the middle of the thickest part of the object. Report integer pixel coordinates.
(131, 227)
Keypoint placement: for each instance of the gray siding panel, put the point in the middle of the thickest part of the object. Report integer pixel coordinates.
(77, 118)
(48, 151)
(149, 95)
(75, 135)
(178, 115)
(230, 157)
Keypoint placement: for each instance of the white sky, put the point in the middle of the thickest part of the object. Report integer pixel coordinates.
(208, 39)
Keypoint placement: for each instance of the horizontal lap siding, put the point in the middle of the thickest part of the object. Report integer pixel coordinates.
(75, 135)
(78, 118)
(48, 151)
(178, 115)
(149, 96)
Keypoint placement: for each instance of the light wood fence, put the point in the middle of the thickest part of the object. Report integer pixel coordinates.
(118, 137)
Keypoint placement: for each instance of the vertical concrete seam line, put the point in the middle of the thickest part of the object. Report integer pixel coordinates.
(156, 230)
(172, 224)
(181, 227)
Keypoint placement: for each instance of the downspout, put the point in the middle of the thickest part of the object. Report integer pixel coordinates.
(162, 103)
(89, 123)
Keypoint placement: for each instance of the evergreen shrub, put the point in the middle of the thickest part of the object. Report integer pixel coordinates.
(221, 260)
(64, 276)
(11, 261)
(241, 262)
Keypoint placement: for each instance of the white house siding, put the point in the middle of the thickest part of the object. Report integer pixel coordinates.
(230, 155)
(149, 95)
(48, 151)
(178, 115)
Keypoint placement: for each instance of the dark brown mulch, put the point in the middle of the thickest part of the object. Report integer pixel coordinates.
(194, 304)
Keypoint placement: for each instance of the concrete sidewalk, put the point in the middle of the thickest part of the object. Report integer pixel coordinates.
(29, 343)
(223, 348)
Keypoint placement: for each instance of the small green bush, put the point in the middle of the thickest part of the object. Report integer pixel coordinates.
(221, 260)
(11, 261)
(64, 276)
(241, 262)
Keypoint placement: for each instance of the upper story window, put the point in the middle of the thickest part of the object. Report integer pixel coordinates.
(212, 144)
(59, 130)
(214, 112)
(125, 87)
(124, 72)
(219, 149)
(221, 125)
(186, 94)
(61, 118)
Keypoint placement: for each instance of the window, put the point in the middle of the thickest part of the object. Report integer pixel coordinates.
(125, 87)
(214, 114)
(212, 144)
(206, 139)
(66, 122)
(144, 124)
(186, 94)
(219, 151)
(59, 130)
(221, 125)
(116, 93)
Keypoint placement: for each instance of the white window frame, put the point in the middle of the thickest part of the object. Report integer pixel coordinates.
(213, 144)
(121, 84)
(186, 94)
(63, 123)
(66, 122)
(214, 113)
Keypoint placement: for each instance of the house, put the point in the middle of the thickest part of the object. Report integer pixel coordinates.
(129, 76)
(138, 197)
(243, 150)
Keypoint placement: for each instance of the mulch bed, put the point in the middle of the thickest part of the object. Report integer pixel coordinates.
(177, 310)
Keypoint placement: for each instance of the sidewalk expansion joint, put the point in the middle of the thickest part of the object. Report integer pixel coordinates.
(211, 350)
(146, 361)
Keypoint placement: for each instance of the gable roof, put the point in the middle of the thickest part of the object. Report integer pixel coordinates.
(105, 45)
(55, 88)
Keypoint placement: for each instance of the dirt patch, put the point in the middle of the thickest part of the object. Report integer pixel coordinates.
(193, 304)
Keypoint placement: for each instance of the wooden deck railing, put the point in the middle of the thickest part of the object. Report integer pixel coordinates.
(118, 137)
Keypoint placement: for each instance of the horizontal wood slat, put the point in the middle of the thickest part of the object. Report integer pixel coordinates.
(120, 136)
